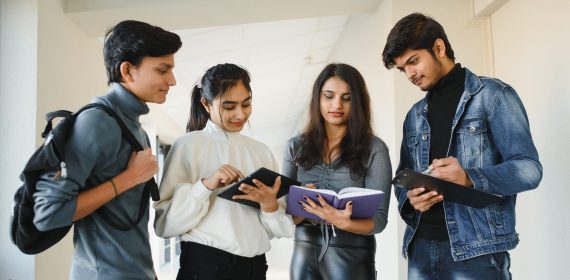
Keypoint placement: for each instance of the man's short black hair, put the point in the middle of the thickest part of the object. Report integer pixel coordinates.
(414, 31)
(131, 41)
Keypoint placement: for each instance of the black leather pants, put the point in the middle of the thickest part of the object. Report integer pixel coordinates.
(347, 256)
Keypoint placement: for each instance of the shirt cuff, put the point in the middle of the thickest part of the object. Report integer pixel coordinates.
(200, 191)
(273, 215)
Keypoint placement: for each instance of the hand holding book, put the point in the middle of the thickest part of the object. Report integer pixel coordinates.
(323, 211)
(265, 195)
(364, 202)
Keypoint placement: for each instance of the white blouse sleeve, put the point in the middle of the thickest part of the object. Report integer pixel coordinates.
(184, 200)
(278, 223)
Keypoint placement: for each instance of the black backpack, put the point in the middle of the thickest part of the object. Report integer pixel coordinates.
(50, 157)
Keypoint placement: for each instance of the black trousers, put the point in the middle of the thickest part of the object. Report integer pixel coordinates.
(199, 261)
(348, 255)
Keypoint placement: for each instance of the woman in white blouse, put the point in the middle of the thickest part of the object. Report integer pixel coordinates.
(220, 239)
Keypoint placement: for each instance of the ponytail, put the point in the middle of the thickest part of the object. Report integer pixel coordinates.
(198, 114)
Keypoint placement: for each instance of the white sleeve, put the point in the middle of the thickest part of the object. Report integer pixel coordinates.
(278, 223)
(184, 200)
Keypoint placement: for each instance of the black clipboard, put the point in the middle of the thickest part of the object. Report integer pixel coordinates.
(409, 179)
(264, 175)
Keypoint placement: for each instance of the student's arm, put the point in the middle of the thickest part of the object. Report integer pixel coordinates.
(94, 144)
(519, 169)
(141, 167)
(379, 177)
(277, 222)
(290, 169)
(184, 199)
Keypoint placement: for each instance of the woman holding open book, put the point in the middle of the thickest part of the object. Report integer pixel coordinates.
(221, 239)
(338, 150)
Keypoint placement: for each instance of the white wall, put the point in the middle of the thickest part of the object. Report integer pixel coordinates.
(530, 43)
(62, 65)
(47, 64)
(70, 73)
(17, 102)
(360, 45)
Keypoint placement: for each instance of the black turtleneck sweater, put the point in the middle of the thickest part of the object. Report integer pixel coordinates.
(442, 100)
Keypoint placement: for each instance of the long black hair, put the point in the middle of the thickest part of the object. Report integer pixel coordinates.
(216, 81)
(354, 146)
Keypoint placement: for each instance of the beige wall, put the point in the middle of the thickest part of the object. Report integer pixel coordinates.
(57, 66)
(531, 39)
(47, 64)
(70, 73)
(17, 102)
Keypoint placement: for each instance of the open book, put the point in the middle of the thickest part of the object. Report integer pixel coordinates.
(365, 202)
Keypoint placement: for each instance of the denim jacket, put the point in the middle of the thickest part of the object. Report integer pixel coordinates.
(491, 139)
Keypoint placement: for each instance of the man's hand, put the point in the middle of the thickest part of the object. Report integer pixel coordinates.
(422, 200)
(141, 166)
(448, 169)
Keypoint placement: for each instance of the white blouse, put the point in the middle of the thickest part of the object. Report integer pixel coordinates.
(188, 209)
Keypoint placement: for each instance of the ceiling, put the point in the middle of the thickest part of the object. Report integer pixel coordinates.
(283, 66)
(283, 44)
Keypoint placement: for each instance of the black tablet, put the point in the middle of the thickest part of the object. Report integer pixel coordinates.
(264, 175)
(409, 179)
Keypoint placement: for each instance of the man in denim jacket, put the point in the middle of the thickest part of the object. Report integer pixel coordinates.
(469, 130)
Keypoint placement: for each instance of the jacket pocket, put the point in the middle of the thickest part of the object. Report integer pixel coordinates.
(412, 145)
(473, 140)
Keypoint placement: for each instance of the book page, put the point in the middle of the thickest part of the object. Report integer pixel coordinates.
(354, 192)
(323, 191)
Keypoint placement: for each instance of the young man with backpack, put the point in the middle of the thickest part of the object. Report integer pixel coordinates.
(102, 170)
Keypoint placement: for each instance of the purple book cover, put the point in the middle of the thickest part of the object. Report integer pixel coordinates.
(365, 202)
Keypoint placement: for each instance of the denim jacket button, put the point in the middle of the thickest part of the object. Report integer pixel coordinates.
(424, 137)
(472, 129)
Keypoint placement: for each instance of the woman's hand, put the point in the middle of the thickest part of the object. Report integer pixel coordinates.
(339, 218)
(264, 195)
(224, 176)
(299, 219)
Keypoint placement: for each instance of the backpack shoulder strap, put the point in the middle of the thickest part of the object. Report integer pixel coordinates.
(150, 188)
(130, 138)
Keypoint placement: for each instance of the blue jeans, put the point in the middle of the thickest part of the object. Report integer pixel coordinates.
(430, 259)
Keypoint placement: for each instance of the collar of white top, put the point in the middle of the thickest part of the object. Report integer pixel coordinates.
(215, 129)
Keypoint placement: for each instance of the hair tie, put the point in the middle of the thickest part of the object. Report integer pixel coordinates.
(198, 82)
(199, 79)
